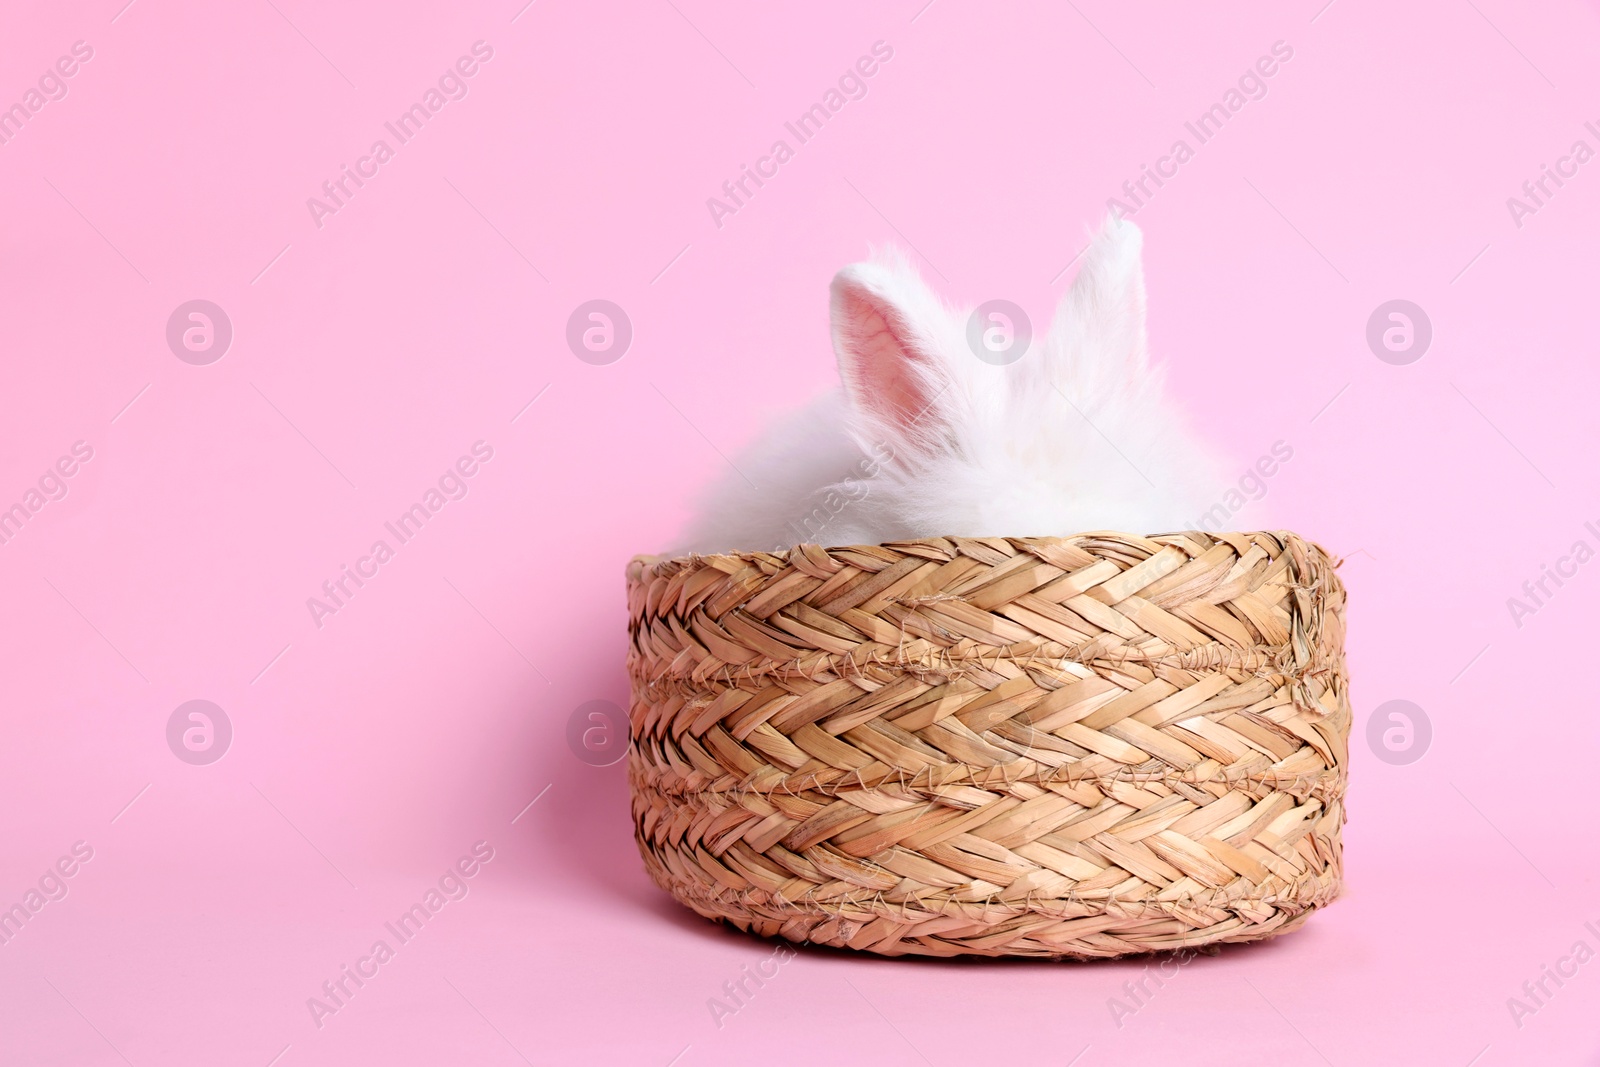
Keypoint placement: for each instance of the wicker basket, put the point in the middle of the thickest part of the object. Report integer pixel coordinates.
(1085, 746)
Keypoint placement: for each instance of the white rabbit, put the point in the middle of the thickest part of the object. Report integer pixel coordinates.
(927, 439)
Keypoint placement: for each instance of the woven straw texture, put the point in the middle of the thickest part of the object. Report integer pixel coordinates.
(1081, 747)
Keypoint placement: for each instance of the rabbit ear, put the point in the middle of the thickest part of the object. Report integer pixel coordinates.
(1098, 339)
(883, 322)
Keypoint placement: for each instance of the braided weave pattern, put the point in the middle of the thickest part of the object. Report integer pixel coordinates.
(1078, 747)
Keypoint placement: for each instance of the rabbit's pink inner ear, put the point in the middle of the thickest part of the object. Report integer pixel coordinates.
(878, 359)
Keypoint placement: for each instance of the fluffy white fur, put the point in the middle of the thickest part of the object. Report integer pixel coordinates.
(925, 439)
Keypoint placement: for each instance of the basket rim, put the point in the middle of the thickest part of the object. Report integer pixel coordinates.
(654, 562)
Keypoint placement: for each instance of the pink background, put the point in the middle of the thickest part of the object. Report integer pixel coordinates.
(370, 353)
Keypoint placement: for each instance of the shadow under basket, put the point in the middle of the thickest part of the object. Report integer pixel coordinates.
(1078, 747)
